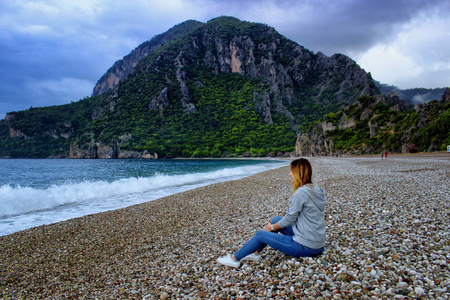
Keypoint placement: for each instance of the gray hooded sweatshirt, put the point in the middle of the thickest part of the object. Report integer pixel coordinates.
(306, 214)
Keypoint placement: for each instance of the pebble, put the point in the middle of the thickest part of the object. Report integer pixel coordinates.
(387, 238)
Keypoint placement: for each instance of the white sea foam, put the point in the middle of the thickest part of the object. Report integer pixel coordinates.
(24, 207)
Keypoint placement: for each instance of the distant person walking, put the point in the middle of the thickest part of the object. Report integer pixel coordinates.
(385, 154)
(382, 155)
(302, 229)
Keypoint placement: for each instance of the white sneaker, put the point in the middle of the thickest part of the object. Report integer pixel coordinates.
(253, 257)
(228, 261)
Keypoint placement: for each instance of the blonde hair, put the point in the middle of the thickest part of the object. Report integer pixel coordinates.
(301, 172)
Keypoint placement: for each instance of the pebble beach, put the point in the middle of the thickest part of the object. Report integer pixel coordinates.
(388, 237)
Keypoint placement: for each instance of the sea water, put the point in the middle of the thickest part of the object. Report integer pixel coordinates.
(35, 192)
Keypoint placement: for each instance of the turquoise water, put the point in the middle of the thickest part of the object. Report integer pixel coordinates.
(34, 192)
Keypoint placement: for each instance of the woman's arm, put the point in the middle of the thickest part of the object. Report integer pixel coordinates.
(272, 227)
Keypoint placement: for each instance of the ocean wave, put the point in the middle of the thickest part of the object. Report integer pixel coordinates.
(17, 200)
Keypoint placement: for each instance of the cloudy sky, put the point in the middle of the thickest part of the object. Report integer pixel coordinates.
(53, 51)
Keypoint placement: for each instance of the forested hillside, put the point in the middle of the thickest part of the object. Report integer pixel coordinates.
(217, 89)
(378, 123)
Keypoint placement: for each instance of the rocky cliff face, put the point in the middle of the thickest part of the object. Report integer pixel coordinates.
(317, 142)
(109, 151)
(9, 120)
(291, 76)
(122, 68)
(446, 96)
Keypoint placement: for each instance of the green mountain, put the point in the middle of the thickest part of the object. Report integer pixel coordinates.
(216, 89)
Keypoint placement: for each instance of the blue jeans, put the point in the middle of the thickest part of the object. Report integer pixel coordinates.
(283, 242)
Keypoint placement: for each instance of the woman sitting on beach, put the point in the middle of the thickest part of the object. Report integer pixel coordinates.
(302, 228)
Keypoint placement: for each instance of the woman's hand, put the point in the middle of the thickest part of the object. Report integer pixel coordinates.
(268, 227)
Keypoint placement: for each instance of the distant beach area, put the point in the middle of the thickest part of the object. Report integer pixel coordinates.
(388, 237)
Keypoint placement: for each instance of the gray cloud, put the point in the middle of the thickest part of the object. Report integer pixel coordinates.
(346, 26)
